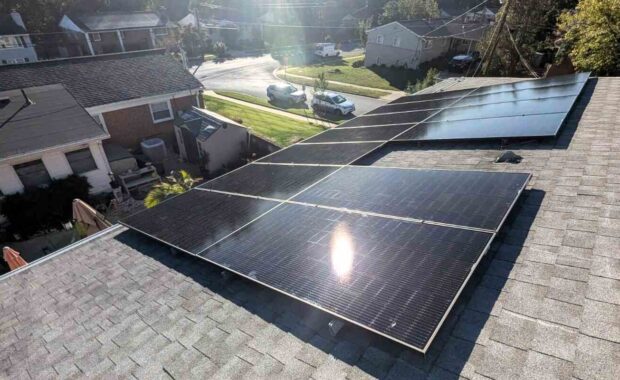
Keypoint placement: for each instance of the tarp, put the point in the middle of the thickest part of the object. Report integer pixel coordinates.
(88, 220)
(13, 258)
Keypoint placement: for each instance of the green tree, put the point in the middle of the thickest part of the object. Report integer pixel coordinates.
(408, 10)
(532, 24)
(362, 28)
(320, 83)
(592, 35)
(429, 80)
(175, 184)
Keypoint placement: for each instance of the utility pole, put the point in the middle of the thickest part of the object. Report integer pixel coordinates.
(486, 59)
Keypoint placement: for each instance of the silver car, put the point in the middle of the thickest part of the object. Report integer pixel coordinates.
(333, 103)
(287, 93)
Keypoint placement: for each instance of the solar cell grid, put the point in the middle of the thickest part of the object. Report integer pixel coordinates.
(433, 96)
(270, 181)
(327, 154)
(383, 133)
(196, 219)
(465, 198)
(397, 278)
(386, 119)
(514, 126)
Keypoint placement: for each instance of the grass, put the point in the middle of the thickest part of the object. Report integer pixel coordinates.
(371, 93)
(341, 70)
(305, 112)
(281, 130)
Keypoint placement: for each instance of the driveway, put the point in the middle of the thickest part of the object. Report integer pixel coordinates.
(252, 75)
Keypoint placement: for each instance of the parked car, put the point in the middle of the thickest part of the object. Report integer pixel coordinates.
(285, 92)
(462, 62)
(332, 102)
(326, 49)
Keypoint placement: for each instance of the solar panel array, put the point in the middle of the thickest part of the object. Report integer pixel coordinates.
(384, 248)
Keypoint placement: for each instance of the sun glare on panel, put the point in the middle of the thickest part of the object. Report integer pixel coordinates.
(342, 252)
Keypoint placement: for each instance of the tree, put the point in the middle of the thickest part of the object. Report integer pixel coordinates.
(175, 184)
(592, 35)
(320, 83)
(362, 29)
(532, 24)
(429, 80)
(408, 10)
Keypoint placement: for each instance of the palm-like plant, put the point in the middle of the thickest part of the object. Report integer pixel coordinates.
(176, 183)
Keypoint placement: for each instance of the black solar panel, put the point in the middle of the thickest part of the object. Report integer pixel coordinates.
(396, 278)
(196, 219)
(466, 198)
(270, 181)
(383, 133)
(327, 154)
(433, 96)
(513, 126)
(392, 118)
(413, 106)
(552, 82)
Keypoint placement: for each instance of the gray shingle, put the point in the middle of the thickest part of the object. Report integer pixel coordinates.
(119, 76)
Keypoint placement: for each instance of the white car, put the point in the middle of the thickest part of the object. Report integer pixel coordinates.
(332, 102)
(326, 49)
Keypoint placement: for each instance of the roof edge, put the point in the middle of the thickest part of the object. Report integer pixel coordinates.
(65, 249)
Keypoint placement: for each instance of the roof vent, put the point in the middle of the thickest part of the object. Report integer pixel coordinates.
(509, 156)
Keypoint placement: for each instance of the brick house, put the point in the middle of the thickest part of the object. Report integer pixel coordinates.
(134, 96)
(114, 32)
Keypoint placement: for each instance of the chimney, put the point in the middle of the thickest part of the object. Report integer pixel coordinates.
(17, 18)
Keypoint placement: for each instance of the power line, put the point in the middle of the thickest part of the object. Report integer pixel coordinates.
(457, 17)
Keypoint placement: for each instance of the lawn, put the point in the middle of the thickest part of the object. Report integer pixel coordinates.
(281, 130)
(371, 93)
(296, 109)
(342, 70)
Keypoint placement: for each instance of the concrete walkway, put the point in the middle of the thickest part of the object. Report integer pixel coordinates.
(391, 94)
(272, 110)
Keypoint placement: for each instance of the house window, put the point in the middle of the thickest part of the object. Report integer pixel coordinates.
(380, 39)
(33, 174)
(161, 32)
(161, 111)
(81, 161)
(96, 37)
(397, 41)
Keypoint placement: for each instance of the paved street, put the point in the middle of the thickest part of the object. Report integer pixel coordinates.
(252, 75)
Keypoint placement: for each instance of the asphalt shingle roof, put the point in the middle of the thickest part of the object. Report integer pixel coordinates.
(545, 302)
(95, 81)
(54, 118)
(119, 20)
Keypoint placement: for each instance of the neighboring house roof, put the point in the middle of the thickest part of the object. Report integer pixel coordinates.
(8, 26)
(53, 119)
(439, 28)
(118, 20)
(544, 302)
(202, 123)
(105, 79)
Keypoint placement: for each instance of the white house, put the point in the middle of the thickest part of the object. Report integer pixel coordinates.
(15, 43)
(45, 134)
(409, 43)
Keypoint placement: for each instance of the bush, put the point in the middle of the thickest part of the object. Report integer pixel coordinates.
(44, 209)
(358, 63)
(429, 80)
(220, 49)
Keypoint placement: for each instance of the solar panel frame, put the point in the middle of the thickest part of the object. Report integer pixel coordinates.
(382, 133)
(328, 153)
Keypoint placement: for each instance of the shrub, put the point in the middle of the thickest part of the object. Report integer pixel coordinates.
(358, 63)
(43, 209)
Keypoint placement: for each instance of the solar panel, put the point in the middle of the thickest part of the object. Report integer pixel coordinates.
(327, 154)
(514, 126)
(393, 277)
(270, 181)
(196, 219)
(433, 96)
(580, 79)
(413, 106)
(383, 133)
(465, 198)
(392, 118)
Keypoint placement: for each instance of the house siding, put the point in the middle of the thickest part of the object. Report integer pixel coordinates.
(225, 147)
(58, 167)
(16, 53)
(410, 52)
(129, 126)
